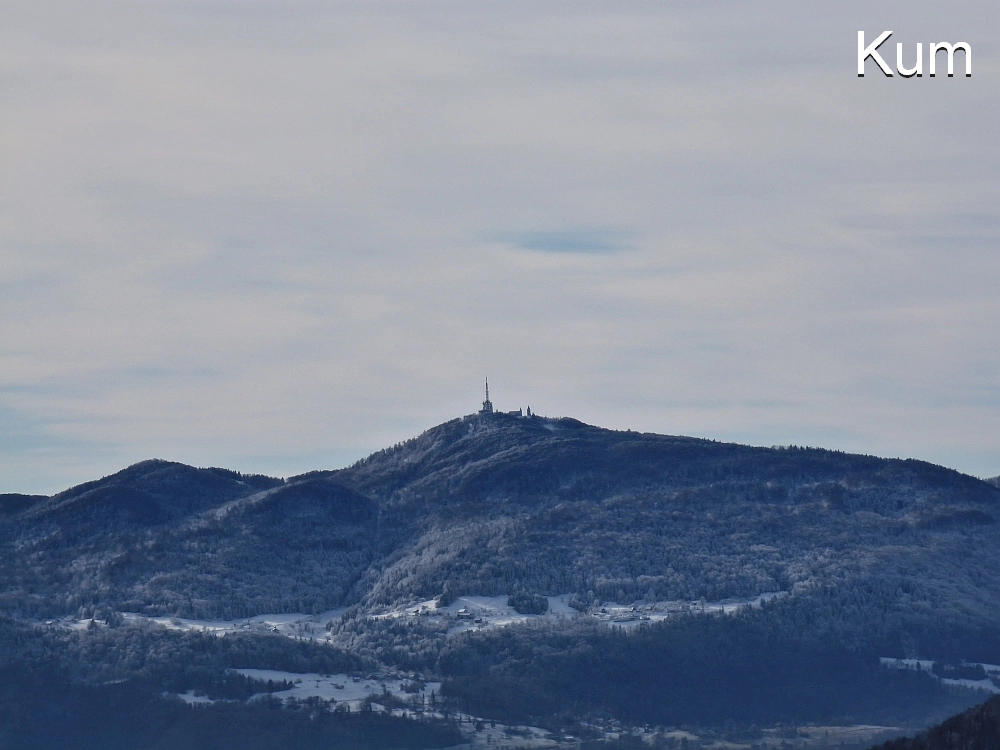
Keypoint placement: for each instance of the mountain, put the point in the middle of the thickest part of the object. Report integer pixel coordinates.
(630, 545)
(490, 505)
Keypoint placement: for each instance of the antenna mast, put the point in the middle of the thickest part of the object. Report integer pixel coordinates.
(487, 404)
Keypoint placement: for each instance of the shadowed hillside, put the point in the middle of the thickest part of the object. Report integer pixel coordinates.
(976, 729)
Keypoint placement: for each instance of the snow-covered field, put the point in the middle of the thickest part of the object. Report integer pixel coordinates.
(917, 665)
(486, 612)
(292, 625)
(926, 665)
(464, 614)
(477, 612)
(344, 688)
(629, 615)
(191, 698)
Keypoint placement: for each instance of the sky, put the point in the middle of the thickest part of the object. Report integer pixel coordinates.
(277, 235)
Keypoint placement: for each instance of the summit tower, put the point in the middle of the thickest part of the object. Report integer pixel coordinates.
(487, 404)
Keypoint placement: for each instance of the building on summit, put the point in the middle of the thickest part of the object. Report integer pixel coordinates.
(488, 405)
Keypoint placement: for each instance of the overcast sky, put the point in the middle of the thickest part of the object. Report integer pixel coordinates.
(276, 236)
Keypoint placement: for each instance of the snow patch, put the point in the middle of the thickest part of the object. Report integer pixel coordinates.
(988, 684)
(343, 688)
(191, 699)
(467, 613)
(292, 625)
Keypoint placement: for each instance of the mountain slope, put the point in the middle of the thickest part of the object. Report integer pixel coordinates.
(164, 538)
(489, 505)
(493, 504)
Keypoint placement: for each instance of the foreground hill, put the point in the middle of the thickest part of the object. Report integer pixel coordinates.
(975, 729)
(556, 506)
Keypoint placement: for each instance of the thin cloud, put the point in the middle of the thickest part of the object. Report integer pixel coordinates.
(569, 241)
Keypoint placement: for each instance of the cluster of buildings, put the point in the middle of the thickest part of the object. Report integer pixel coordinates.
(488, 406)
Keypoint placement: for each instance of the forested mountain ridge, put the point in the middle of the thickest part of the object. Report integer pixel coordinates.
(492, 504)
(164, 538)
(873, 557)
(558, 506)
